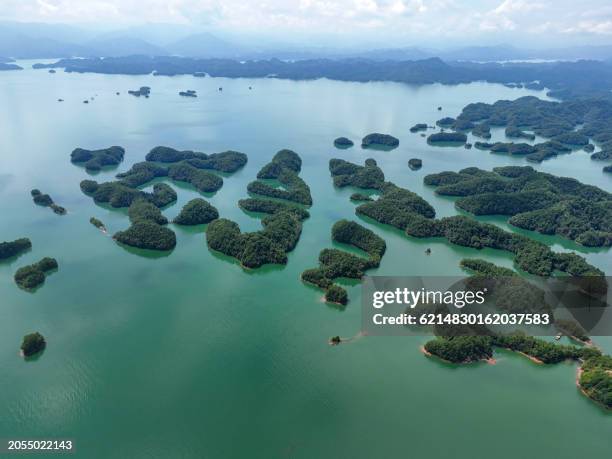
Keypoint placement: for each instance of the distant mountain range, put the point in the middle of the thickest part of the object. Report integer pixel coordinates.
(39, 41)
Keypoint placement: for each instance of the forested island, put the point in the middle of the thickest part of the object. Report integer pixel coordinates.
(46, 201)
(335, 263)
(32, 344)
(142, 91)
(419, 127)
(147, 230)
(14, 248)
(343, 142)
(381, 141)
(188, 93)
(95, 160)
(447, 137)
(98, 224)
(197, 212)
(31, 276)
(415, 163)
(227, 161)
(282, 226)
(596, 76)
(409, 212)
(534, 200)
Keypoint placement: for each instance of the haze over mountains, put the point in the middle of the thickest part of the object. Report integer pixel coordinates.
(39, 40)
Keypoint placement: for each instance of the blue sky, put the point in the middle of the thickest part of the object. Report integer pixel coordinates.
(522, 22)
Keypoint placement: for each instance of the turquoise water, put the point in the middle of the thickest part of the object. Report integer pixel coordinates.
(188, 355)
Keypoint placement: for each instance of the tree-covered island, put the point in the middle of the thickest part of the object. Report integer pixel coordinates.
(31, 276)
(94, 160)
(197, 212)
(343, 142)
(380, 141)
(32, 344)
(10, 249)
(147, 230)
(45, 200)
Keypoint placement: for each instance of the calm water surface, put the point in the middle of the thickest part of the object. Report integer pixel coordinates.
(186, 354)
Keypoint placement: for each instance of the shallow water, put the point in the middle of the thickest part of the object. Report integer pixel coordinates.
(186, 354)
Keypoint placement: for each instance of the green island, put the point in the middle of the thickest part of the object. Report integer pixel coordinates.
(146, 230)
(447, 137)
(343, 142)
(445, 122)
(196, 212)
(360, 197)
(415, 163)
(419, 127)
(344, 173)
(603, 155)
(31, 276)
(534, 200)
(482, 130)
(45, 200)
(381, 141)
(284, 167)
(335, 263)
(188, 93)
(98, 224)
(514, 132)
(14, 248)
(118, 194)
(95, 160)
(227, 161)
(282, 225)
(32, 344)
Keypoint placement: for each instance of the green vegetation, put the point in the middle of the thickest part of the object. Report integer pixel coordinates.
(383, 141)
(31, 276)
(603, 155)
(94, 160)
(447, 137)
(596, 379)
(461, 349)
(97, 223)
(446, 122)
(227, 161)
(345, 173)
(32, 344)
(419, 127)
(514, 132)
(415, 163)
(482, 130)
(117, 194)
(282, 226)
(360, 197)
(202, 180)
(197, 212)
(46, 201)
(536, 201)
(284, 167)
(14, 248)
(334, 263)
(343, 142)
(146, 231)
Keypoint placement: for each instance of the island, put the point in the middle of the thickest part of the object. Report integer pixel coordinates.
(369, 176)
(282, 226)
(589, 148)
(534, 200)
(32, 276)
(227, 161)
(335, 263)
(380, 141)
(343, 142)
(188, 93)
(446, 122)
(197, 212)
(360, 197)
(603, 155)
(419, 127)
(95, 160)
(32, 344)
(118, 194)
(415, 163)
(98, 224)
(514, 132)
(142, 91)
(482, 130)
(14, 248)
(146, 231)
(447, 138)
(45, 200)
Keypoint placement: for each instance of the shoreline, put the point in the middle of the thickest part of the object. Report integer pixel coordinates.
(489, 361)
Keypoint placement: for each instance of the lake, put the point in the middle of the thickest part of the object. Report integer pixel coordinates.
(188, 355)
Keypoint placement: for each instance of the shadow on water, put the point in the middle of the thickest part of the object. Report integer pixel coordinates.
(10, 260)
(145, 253)
(251, 271)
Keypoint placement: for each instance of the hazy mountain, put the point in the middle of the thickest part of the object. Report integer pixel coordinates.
(124, 46)
(206, 45)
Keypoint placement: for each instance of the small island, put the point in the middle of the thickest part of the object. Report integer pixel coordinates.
(446, 122)
(380, 141)
(32, 344)
(188, 93)
(14, 248)
(343, 142)
(415, 163)
(98, 224)
(95, 160)
(146, 231)
(197, 212)
(31, 276)
(45, 200)
(143, 91)
(419, 127)
(359, 197)
(447, 138)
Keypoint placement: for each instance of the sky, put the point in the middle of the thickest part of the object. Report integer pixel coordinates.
(519, 22)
